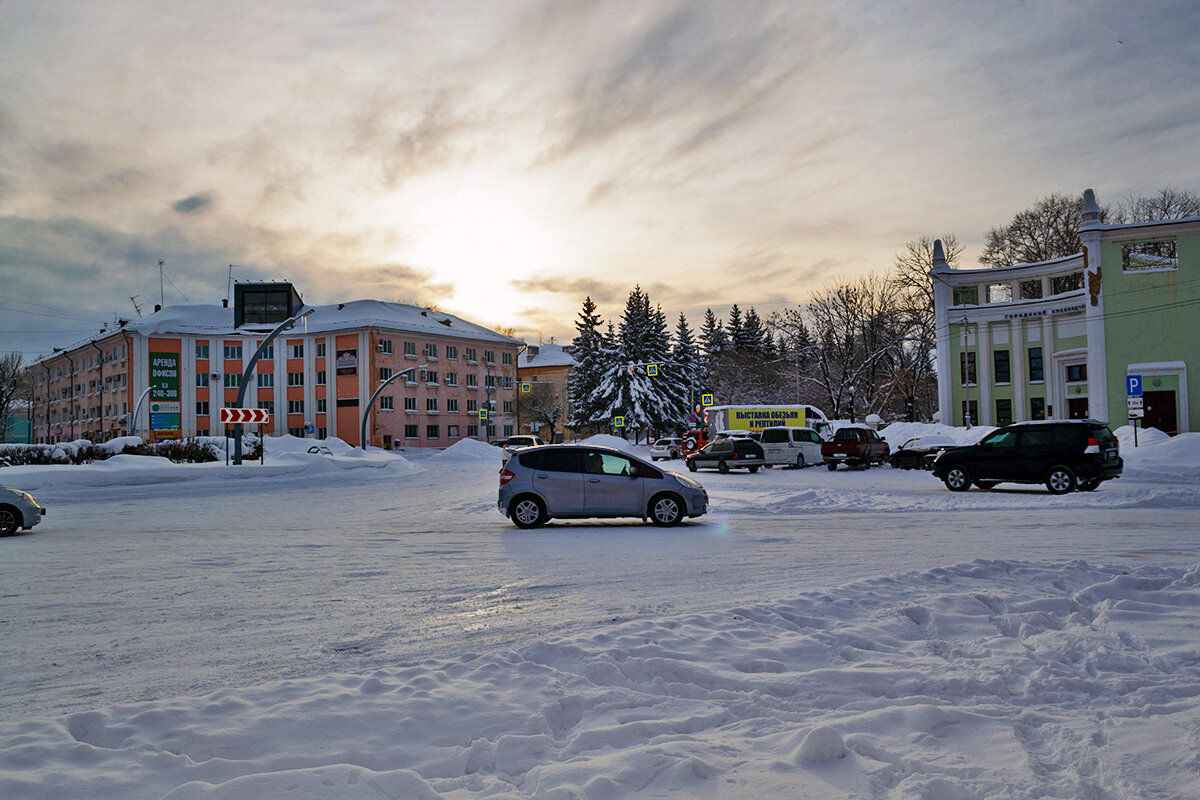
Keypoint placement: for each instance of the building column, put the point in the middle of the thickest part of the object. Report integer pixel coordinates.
(942, 298)
(1097, 365)
(1016, 363)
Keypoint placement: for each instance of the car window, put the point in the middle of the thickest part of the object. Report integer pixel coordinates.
(1103, 435)
(1001, 438)
(1067, 434)
(1035, 437)
(605, 464)
(552, 460)
(774, 436)
(846, 435)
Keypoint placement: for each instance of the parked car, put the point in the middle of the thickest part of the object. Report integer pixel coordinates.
(514, 443)
(666, 448)
(912, 454)
(1064, 454)
(693, 440)
(793, 447)
(854, 446)
(736, 452)
(18, 510)
(562, 481)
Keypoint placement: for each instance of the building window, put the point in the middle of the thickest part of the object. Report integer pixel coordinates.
(1061, 284)
(431, 351)
(452, 379)
(201, 351)
(507, 381)
(233, 380)
(1000, 366)
(472, 381)
(268, 406)
(472, 406)
(320, 351)
(295, 406)
(1138, 256)
(385, 346)
(429, 376)
(508, 406)
(202, 431)
(506, 358)
(1031, 290)
(966, 295)
(469, 354)
(1036, 373)
(410, 404)
(322, 406)
(508, 430)
(1076, 373)
(387, 404)
(201, 408)
(452, 431)
(201, 379)
(489, 381)
(1004, 412)
(322, 433)
(321, 377)
(268, 353)
(489, 357)
(970, 410)
(266, 379)
(966, 369)
(452, 405)
(432, 432)
(472, 431)
(295, 379)
(233, 352)
(1037, 408)
(410, 431)
(296, 350)
(410, 349)
(999, 293)
(451, 351)
(385, 373)
(431, 405)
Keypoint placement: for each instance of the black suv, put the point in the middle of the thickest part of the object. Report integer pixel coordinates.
(736, 452)
(1064, 454)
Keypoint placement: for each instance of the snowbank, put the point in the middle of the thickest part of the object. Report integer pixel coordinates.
(898, 433)
(1175, 458)
(608, 440)
(471, 450)
(1145, 436)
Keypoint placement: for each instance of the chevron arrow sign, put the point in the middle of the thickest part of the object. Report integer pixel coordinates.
(244, 415)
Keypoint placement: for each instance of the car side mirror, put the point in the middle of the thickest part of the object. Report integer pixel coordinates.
(633, 471)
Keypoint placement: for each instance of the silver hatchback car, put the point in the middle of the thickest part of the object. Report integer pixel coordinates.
(579, 481)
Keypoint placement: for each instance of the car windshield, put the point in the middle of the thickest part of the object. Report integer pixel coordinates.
(1001, 438)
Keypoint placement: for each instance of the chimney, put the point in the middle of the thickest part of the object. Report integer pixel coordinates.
(157, 308)
(224, 302)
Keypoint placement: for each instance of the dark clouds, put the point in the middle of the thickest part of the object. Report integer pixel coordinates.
(194, 204)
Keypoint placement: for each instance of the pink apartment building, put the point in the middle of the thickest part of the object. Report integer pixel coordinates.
(315, 379)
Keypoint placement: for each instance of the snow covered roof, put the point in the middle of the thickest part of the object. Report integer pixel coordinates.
(217, 320)
(546, 355)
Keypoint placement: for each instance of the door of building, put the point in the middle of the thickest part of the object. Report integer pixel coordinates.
(1160, 411)
(1077, 408)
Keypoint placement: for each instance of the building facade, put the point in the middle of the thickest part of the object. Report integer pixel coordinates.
(315, 379)
(542, 372)
(1057, 339)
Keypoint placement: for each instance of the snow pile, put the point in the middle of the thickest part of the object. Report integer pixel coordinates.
(1175, 458)
(118, 444)
(1145, 436)
(985, 679)
(471, 450)
(608, 440)
(898, 433)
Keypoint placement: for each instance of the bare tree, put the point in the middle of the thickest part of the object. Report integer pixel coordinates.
(14, 389)
(1169, 203)
(545, 404)
(1047, 230)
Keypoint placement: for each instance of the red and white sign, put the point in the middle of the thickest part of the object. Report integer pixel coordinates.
(252, 416)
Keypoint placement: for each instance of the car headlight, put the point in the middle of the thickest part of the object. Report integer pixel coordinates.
(684, 480)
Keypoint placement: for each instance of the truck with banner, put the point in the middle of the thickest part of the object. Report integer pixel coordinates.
(753, 418)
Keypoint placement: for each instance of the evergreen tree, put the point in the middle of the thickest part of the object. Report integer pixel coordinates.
(589, 353)
(686, 357)
(755, 336)
(737, 334)
(713, 337)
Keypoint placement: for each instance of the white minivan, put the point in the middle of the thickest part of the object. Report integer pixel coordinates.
(791, 447)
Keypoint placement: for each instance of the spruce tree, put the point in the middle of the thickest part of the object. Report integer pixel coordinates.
(588, 351)
(686, 357)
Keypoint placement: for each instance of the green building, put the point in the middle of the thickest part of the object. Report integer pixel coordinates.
(1059, 339)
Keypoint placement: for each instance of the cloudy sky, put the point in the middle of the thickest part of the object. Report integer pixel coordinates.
(504, 159)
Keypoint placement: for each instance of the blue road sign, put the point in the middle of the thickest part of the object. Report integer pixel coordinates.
(310, 429)
(618, 422)
(1133, 385)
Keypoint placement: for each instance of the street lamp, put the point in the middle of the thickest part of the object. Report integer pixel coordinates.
(362, 433)
(852, 404)
(136, 409)
(262, 348)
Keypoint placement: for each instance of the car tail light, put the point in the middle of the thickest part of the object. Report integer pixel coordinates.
(506, 476)
(1093, 446)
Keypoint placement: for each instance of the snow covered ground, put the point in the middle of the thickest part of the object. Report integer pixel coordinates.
(364, 625)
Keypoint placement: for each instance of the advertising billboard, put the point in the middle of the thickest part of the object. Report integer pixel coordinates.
(164, 396)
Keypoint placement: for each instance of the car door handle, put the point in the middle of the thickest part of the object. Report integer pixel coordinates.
(539, 475)
(593, 480)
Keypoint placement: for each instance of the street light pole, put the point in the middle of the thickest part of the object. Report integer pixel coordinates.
(136, 409)
(362, 431)
(249, 372)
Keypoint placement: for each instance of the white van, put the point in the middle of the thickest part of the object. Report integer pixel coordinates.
(791, 447)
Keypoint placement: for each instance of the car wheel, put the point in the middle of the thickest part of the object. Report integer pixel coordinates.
(958, 478)
(10, 520)
(692, 466)
(722, 467)
(527, 512)
(986, 484)
(800, 461)
(831, 465)
(1060, 480)
(752, 470)
(1089, 486)
(666, 510)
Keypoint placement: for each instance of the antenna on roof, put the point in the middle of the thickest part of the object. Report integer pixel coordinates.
(136, 307)
(162, 299)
